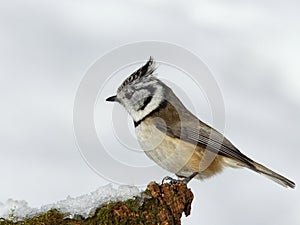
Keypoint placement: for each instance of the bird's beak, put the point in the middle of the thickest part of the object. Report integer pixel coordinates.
(112, 99)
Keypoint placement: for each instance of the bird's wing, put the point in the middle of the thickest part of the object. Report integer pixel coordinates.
(199, 133)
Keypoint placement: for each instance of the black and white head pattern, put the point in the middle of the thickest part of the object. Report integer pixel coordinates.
(141, 92)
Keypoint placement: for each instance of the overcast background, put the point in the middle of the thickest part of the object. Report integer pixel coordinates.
(253, 49)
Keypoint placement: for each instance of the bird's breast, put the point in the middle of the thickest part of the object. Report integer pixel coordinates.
(170, 153)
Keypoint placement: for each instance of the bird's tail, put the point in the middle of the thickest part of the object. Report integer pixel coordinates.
(272, 175)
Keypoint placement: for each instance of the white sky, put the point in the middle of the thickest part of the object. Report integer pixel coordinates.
(252, 48)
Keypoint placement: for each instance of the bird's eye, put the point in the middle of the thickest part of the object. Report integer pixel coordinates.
(128, 95)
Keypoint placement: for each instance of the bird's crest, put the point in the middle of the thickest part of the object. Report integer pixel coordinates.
(144, 71)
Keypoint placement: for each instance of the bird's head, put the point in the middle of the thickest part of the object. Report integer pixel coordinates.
(141, 92)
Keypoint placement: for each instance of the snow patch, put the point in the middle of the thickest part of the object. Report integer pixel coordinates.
(83, 205)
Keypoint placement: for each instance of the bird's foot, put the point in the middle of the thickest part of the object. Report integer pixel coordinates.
(186, 180)
(170, 180)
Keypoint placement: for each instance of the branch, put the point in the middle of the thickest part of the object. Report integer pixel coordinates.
(158, 204)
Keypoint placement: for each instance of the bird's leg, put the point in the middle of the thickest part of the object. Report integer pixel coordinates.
(189, 178)
(186, 180)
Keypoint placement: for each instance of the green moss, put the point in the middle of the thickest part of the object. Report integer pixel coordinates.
(49, 218)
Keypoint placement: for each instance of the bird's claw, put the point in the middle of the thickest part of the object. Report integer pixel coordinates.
(185, 180)
(170, 180)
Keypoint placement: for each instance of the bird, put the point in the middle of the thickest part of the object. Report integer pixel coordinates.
(173, 137)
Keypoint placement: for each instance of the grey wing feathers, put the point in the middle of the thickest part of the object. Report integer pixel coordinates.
(210, 139)
(205, 137)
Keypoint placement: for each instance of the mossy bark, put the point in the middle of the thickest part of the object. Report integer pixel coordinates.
(159, 204)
